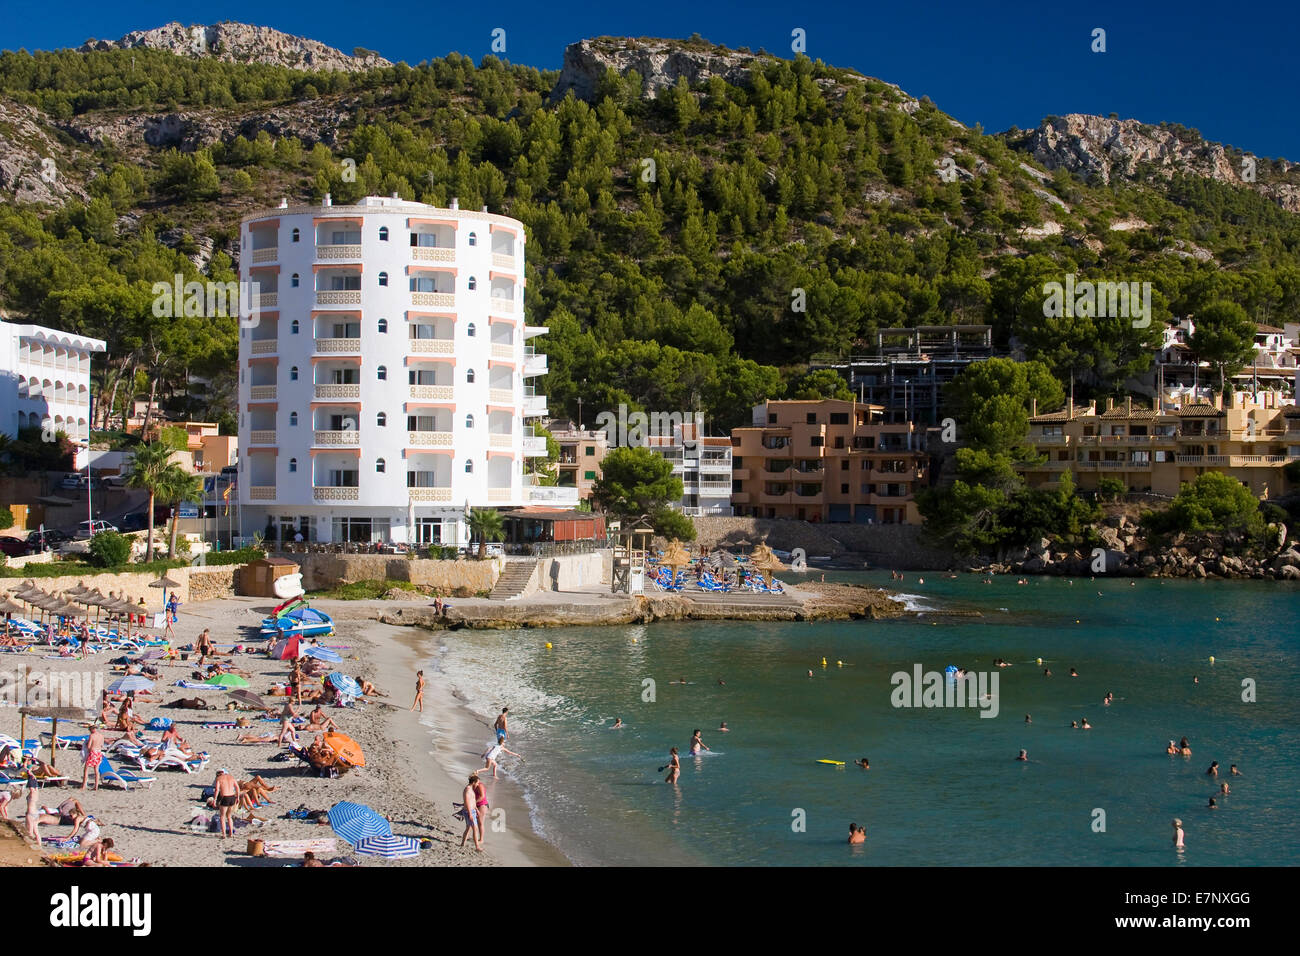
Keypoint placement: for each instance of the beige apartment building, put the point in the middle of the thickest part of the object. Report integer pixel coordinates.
(1156, 450)
(581, 452)
(827, 460)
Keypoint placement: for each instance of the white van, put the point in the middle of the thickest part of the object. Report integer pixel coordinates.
(88, 529)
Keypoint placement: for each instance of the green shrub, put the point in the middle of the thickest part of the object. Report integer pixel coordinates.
(6, 518)
(108, 549)
(1109, 489)
(239, 556)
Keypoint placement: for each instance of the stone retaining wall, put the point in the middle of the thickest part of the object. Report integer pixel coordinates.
(571, 572)
(323, 571)
(196, 584)
(884, 545)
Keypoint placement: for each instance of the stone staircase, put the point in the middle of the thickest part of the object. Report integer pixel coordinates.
(514, 578)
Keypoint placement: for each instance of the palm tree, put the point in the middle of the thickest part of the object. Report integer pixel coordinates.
(177, 485)
(148, 471)
(485, 523)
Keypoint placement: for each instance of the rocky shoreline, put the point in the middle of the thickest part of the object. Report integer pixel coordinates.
(1127, 551)
(831, 602)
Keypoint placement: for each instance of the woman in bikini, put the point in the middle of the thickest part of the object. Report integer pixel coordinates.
(419, 692)
(481, 805)
(674, 767)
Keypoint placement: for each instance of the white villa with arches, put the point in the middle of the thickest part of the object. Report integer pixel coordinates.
(45, 382)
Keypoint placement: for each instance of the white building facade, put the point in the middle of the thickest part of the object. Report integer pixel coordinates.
(385, 384)
(703, 463)
(45, 382)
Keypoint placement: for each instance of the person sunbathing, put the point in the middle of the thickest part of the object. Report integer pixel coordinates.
(97, 853)
(172, 738)
(40, 769)
(65, 814)
(257, 738)
(9, 757)
(317, 720)
(370, 690)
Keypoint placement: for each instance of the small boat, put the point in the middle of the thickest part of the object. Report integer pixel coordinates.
(302, 621)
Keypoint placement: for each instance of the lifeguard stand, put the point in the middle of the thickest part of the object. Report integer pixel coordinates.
(630, 559)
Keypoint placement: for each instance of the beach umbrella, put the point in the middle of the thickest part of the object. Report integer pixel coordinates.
(226, 680)
(247, 697)
(344, 683)
(285, 649)
(164, 582)
(355, 822)
(152, 655)
(129, 683)
(322, 653)
(347, 749)
(9, 607)
(389, 847)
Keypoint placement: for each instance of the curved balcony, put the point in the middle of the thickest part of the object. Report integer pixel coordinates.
(263, 347)
(335, 297)
(269, 254)
(334, 346)
(261, 393)
(432, 254)
(502, 261)
(338, 391)
(437, 393)
(439, 300)
(335, 493)
(503, 350)
(336, 439)
(502, 441)
(338, 252)
(433, 346)
(429, 494)
(429, 439)
(501, 305)
(262, 437)
(261, 493)
(501, 396)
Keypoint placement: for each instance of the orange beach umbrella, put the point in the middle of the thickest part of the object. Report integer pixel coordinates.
(347, 749)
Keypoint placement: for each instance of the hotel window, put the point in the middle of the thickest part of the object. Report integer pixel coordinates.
(381, 420)
(383, 326)
(469, 467)
(469, 421)
(844, 489)
(293, 374)
(811, 418)
(771, 418)
(383, 278)
(383, 233)
(839, 418)
(293, 419)
(294, 235)
(844, 464)
(293, 465)
(383, 373)
(589, 476)
(293, 281)
(473, 283)
(469, 376)
(473, 239)
(591, 449)
(379, 465)
(293, 327)
(469, 330)
(817, 441)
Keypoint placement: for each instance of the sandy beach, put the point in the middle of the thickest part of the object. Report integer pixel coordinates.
(416, 765)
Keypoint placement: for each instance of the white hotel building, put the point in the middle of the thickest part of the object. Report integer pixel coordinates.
(384, 387)
(45, 381)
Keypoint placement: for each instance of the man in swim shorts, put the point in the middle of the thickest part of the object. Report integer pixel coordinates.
(502, 726)
(94, 756)
(470, 798)
(226, 790)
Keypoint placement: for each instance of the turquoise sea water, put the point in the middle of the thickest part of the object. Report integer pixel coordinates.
(944, 787)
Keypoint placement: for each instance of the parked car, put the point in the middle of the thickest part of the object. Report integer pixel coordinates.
(88, 529)
(135, 521)
(71, 482)
(49, 538)
(15, 547)
(115, 481)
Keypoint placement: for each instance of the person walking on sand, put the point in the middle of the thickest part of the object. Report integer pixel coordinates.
(502, 726)
(33, 809)
(94, 756)
(491, 754)
(226, 791)
(470, 799)
(287, 714)
(481, 805)
(419, 692)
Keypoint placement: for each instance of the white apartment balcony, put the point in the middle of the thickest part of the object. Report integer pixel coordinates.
(440, 300)
(336, 346)
(336, 297)
(503, 350)
(429, 439)
(506, 440)
(534, 362)
(534, 446)
(501, 396)
(498, 494)
(532, 331)
(261, 493)
(501, 260)
(336, 438)
(262, 436)
(335, 493)
(534, 404)
(501, 306)
(432, 346)
(720, 466)
(432, 254)
(268, 300)
(338, 252)
(261, 393)
(269, 254)
(331, 390)
(435, 393)
(429, 494)
(263, 347)
(551, 494)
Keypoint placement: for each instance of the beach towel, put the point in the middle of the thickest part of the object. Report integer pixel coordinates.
(219, 725)
(296, 848)
(192, 685)
(59, 844)
(159, 723)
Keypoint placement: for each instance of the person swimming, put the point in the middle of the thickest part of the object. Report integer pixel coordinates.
(857, 834)
(724, 728)
(1172, 748)
(864, 763)
(1028, 719)
(1074, 725)
(696, 744)
(1213, 805)
(1073, 672)
(1234, 772)
(1178, 833)
(1223, 788)
(1184, 748)
(618, 724)
(1084, 725)
(1024, 755)
(1214, 769)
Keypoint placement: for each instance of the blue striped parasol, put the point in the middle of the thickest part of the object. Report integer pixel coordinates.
(389, 847)
(355, 822)
(344, 683)
(132, 682)
(322, 653)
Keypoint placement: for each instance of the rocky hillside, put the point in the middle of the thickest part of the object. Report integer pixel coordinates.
(658, 62)
(1106, 148)
(241, 43)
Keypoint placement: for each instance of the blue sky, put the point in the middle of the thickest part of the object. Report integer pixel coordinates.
(1227, 71)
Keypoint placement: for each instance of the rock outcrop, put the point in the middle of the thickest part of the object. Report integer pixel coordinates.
(1100, 147)
(659, 62)
(33, 167)
(241, 43)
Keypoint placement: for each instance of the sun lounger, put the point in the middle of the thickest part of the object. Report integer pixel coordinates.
(174, 758)
(123, 775)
